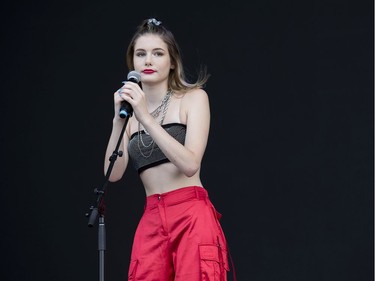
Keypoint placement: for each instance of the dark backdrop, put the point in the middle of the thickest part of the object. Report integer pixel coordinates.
(289, 163)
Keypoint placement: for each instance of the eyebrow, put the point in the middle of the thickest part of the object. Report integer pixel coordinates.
(156, 49)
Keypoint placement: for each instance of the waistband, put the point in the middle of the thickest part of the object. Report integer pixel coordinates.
(177, 196)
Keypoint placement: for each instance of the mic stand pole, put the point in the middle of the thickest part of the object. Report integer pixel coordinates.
(97, 209)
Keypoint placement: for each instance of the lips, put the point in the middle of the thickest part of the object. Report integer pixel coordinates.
(148, 71)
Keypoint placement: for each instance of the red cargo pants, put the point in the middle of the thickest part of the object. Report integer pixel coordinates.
(179, 238)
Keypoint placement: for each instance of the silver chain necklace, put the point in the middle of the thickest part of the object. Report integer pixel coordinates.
(163, 107)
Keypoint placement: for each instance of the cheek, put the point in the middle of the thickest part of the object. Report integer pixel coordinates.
(167, 65)
(137, 62)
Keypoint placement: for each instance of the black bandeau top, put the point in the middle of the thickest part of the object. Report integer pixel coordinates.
(152, 154)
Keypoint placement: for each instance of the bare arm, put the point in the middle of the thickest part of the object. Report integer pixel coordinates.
(117, 126)
(187, 158)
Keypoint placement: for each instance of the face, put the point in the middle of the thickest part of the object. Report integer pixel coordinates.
(151, 58)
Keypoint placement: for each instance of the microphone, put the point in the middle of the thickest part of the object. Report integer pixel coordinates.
(126, 108)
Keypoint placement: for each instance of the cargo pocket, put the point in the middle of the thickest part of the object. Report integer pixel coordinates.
(214, 265)
(132, 269)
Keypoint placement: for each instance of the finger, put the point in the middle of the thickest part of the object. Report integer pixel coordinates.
(119, 94)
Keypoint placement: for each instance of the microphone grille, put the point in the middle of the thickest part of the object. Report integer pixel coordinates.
(134, 75)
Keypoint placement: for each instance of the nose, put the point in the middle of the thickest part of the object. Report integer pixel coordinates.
(148, 60)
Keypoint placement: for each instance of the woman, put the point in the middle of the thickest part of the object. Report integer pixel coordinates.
(179, 236)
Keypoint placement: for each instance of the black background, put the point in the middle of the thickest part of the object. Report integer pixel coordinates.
(289, 162)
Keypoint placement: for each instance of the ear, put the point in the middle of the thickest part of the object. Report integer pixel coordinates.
(172, 66)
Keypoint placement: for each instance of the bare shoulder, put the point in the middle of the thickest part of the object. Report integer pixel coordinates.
(194, 96)
(193, 103)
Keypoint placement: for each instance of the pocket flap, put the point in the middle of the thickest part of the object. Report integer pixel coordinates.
(209, 252)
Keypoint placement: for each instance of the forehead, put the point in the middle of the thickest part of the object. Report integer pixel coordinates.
(150, 41)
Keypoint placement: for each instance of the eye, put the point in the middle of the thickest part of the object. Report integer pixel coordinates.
(158, 54)
(140, 54)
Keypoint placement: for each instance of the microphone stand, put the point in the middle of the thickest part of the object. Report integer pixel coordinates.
(98, 208)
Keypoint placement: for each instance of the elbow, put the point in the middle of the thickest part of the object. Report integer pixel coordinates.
(191, 167)
(191, 170)
(114, 178)
(116, 172)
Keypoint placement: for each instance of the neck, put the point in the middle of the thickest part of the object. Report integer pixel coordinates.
(154, 94)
